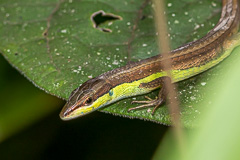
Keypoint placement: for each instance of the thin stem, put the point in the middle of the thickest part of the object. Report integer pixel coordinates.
(164, 47)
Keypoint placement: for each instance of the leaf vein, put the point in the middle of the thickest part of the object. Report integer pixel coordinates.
(135, 26)
(46, 32)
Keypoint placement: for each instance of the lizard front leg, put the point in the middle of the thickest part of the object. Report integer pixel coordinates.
(153, 102)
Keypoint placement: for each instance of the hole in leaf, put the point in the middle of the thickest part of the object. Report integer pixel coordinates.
(143, 17)
(100, 17)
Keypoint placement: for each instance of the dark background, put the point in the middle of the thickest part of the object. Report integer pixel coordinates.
(95, 136)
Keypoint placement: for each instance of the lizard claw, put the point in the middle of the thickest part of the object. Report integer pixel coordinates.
(148, 103)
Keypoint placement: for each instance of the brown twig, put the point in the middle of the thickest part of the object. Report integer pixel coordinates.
(164, 47)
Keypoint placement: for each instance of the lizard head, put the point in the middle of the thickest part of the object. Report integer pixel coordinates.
(87, 98)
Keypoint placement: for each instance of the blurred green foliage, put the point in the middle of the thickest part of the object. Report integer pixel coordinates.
(22, 104)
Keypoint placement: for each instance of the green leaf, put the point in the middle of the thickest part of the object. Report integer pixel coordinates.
(56, 46)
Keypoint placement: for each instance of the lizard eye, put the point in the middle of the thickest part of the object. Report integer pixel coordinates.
(88, 101)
